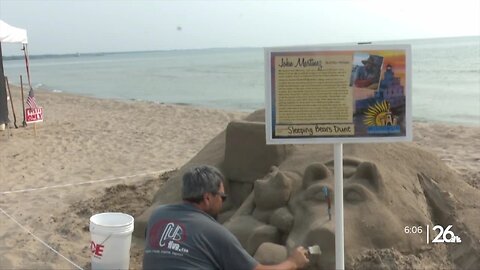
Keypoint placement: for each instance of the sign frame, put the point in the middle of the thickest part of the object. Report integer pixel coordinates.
(298, 51)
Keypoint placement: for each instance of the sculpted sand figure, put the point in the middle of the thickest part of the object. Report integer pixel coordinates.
(277, 200)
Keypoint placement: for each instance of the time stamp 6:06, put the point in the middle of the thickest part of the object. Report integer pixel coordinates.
(444, 235)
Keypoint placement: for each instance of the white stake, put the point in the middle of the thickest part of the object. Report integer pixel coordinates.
(339, 230)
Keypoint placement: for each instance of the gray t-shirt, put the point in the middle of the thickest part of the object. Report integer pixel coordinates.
(180, 236)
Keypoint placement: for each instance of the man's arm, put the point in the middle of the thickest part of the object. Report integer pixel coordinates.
(297, 260)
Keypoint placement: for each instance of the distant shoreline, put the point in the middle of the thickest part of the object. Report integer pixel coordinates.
(199, 106)
(80, 54)
(67, 55)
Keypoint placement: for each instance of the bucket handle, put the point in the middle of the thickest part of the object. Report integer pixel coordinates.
(108, 237)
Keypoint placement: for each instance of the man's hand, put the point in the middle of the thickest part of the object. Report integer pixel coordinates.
(297, 260)
(299, 257)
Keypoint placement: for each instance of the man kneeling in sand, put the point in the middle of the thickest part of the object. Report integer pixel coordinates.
(187, 235)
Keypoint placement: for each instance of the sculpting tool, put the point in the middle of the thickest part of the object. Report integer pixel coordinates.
(329, 202)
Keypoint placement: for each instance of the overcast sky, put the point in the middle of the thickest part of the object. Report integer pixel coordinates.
(71, 26)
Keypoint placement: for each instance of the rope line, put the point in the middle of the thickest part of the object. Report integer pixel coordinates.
(81, 183)
(61, 186)
(40, 240)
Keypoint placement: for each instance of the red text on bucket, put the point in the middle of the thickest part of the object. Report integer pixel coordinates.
(97, 249)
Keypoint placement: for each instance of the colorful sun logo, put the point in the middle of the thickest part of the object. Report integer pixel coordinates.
(380, 115)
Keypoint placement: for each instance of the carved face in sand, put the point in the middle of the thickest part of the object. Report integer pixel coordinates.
(370, 222)
(291, 209)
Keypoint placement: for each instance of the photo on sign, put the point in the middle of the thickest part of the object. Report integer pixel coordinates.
(366, 71)
(379, 107)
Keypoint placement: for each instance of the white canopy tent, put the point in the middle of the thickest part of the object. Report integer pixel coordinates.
(8, 34)
(12, 34)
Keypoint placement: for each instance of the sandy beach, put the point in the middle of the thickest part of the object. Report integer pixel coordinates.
(96, 155)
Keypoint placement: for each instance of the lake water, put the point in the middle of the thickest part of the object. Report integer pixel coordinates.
(445, 77)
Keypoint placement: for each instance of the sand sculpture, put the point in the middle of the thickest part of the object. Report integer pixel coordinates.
(276, 201)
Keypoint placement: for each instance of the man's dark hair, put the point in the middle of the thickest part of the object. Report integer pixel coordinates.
(200, 180)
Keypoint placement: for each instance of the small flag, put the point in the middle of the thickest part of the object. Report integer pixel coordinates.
(31, 100)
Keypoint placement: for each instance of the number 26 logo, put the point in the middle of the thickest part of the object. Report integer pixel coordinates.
(445, 235)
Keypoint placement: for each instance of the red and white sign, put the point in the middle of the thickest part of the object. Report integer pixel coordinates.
(34, 115)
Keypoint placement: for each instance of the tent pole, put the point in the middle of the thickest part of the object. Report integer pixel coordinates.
(11, 103)
(24, 124)
(3, 94)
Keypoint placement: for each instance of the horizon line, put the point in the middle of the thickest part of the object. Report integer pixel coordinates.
(77, 54)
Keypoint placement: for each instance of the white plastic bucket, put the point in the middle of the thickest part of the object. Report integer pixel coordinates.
(111, 236)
